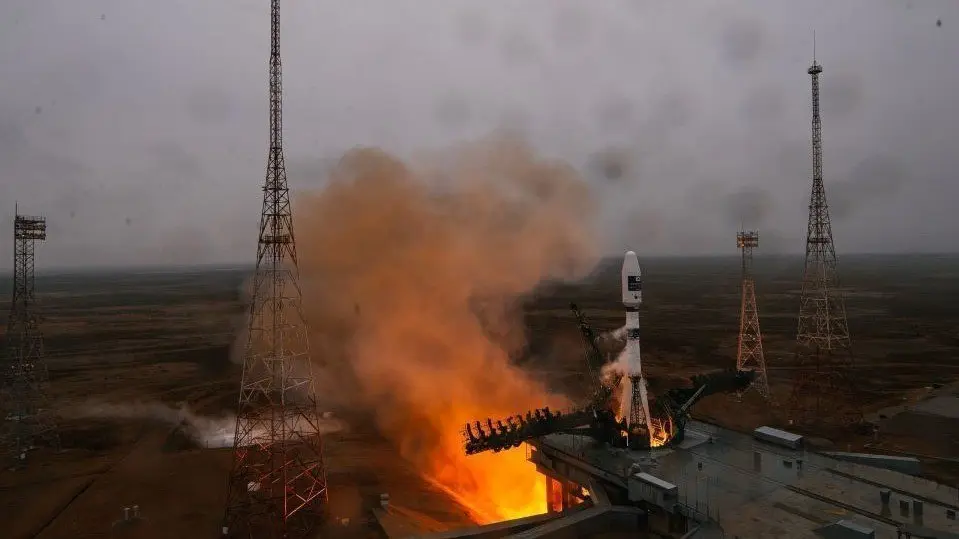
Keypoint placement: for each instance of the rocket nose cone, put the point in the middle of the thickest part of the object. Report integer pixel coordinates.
(630, 262)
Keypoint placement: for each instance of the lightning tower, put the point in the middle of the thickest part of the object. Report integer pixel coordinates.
(750, 350)
(823, 348)
(26, 419)
(277, 484)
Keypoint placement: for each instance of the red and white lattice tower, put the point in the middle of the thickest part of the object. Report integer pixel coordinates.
(277, 483)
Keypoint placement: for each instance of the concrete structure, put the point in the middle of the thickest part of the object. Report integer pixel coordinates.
(778, 437)
(845, 529)
(720, 483)
(906, 465)
(578, 522)
(746, 487)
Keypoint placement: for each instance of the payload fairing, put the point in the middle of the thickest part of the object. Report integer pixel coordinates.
(635, 403)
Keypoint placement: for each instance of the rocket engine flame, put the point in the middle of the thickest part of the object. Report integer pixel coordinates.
(661, 426)
(409, 278)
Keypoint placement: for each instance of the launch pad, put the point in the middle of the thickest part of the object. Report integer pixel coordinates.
(619, 413)
(608, 467)
(721, 483)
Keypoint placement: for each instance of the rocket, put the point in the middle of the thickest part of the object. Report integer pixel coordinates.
(635, 406)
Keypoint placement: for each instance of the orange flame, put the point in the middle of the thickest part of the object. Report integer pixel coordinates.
(661, 431)
(506, 476)
(408, 285)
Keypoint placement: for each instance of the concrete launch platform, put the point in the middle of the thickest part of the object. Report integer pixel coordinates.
(752, 488)
(721, 483)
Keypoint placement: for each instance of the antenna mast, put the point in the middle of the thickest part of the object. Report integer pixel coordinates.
(277, 483)
(823, 347)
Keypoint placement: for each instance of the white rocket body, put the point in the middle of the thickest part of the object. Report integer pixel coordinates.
(634, 383)
(632, 282)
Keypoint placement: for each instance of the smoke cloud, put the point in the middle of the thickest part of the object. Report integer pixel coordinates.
(411, 271)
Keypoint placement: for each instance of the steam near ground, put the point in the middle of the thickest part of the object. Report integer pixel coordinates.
(205, 431)
(410, 273)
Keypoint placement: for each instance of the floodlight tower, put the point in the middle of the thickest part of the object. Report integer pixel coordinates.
(823, 349)
(277, 484)
(27, 419)
(750, 347)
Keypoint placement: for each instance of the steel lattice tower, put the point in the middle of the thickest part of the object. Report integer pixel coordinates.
(27, 419)
(277, 483)
(750, 345)
(823, 348)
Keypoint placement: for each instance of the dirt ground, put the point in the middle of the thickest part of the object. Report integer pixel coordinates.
(127, 336)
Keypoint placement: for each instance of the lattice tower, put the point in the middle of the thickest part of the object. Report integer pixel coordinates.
(822, 386)
(750, 344)
(277, 483)
(27, 417)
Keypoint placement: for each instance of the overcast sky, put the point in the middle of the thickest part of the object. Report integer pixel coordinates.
(139, 127)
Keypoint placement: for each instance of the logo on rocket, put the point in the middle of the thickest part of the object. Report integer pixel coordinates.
(632, 281)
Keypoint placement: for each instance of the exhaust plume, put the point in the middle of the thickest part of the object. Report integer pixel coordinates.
(411, 274)
(616, 373)
(617, 335)
(211, 432)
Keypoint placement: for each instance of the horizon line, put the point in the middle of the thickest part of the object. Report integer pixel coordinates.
(173, 267)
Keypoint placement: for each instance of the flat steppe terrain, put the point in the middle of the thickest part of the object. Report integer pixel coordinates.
(165, 336)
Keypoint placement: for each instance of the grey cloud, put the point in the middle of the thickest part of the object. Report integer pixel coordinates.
(209, 105)
(572, 25)
(842, 96)
(515, 119)
(615, 114)
(453, 110)
(686, 118)
(186, 244)
(742, 41)
(644, 228)
(310, 173)
(764, 105)
(175, 160)
(34, 173)
(776, 242)
(614, 165)
(749, 207)
(671, 111)
(12, 139)
(519, 49)
(473, 27)
(874, 178)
